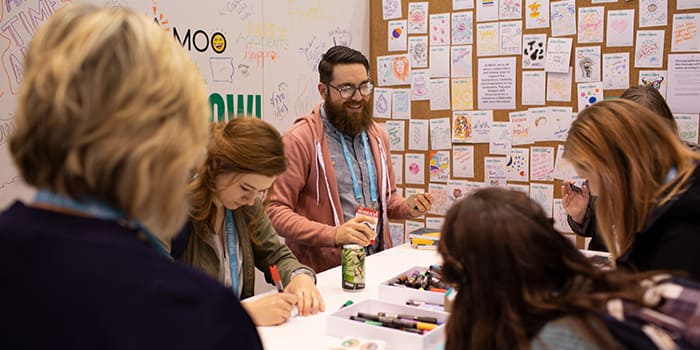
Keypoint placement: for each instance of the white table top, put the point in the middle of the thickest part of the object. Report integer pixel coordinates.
(310, 332)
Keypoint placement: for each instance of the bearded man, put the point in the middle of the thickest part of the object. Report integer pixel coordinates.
(339, 185)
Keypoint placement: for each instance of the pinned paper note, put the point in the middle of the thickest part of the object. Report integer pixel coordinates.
(520, 126)
(401, 101)
(563, 169)
(653, 13)
(560, 217)
(462, 94)
(587, 63)
(542, 163)
(518, 164)
(440, 133)
(536, 14)
(420, 87)
(382, 102)
(417, 18)
(687, 127)
(396, 131)
(620, 31)
(588, 94)
(462, 4)
(654, 78)
(487, 39)
(439, 94)
(487, 10)
(462, 28)
(559, 86)
(590, 24)
(456, 190)
(393, 70)
(511, 36)
(685, 36)
(391, 9)
(463, 161)
(440, 29)
(471, 126)
(534, 50)
(649, 49)
(558, 55)
(418, 51)
(500, 138)
(511, 9)
(439, 61)
(616, 70)
(396, 35)
(495, 171)
(418, 134)
(415, 169)
(439, 165)
(543, 194)
(439, 204)
(533, 88)
(461, 61)
(563, 17)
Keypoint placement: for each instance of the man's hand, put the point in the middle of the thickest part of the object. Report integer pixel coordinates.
(356, 231)
(419, 203)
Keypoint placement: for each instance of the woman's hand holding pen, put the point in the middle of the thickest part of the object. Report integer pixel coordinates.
(575, 200)
(271, 310)
(419, 203)
(309, 300)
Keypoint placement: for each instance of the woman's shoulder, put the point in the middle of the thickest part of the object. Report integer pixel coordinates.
(565, 333)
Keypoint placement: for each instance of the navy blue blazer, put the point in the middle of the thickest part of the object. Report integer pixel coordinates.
(72, 282)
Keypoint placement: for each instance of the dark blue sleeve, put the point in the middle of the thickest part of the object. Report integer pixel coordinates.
(179, 242)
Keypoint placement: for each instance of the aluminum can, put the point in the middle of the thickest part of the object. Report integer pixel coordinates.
(353, 267)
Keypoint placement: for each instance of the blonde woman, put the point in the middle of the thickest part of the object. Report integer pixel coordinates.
(230, 234)
(111, 118)
(647, 182)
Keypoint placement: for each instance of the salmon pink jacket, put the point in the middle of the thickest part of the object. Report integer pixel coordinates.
(305, 205)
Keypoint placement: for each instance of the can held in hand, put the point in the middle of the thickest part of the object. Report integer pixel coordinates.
(353, 260)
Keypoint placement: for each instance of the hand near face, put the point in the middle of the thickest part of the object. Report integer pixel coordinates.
(419, 203)
(356, 231)
(575, 203)
(309, 300)
(271, 310)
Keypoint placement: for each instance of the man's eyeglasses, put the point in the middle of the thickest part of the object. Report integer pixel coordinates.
(348, 90)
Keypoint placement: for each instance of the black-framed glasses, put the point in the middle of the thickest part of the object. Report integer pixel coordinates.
(348, 90)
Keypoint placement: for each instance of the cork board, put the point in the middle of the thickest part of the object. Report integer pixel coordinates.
(421, 110)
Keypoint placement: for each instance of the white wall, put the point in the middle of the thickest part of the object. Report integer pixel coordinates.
(271, 54)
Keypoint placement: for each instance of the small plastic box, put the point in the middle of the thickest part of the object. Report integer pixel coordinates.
(399, 295)
(339, 324)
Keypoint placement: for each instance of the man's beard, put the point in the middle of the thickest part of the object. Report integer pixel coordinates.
(349, 123)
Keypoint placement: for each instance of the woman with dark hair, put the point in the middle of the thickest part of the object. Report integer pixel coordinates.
(230, 234)
(523, 285)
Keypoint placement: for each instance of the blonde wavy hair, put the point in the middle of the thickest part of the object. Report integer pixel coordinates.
(631, 150)
(111, 108)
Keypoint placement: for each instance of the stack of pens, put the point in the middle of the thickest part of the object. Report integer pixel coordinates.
(424, 280)
(406, 323)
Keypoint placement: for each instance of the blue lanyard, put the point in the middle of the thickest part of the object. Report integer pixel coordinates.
(232, 245)
(99, 210)
(351, 168)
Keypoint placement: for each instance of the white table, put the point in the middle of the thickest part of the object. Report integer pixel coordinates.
(310, 332)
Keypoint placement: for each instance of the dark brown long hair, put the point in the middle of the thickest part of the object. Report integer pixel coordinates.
(514, 273)
(241, 146)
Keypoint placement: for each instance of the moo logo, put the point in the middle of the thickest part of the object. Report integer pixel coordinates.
(200, 40)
